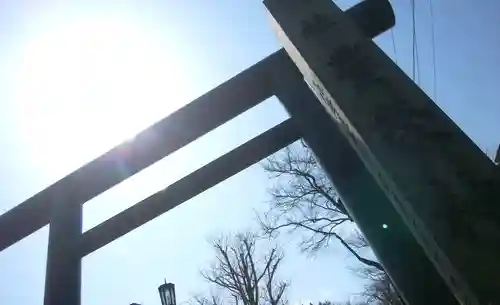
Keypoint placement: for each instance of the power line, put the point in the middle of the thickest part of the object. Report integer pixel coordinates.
(393, 38)
(412, 3)
(394, 45)
(434, 68)
(415, 61)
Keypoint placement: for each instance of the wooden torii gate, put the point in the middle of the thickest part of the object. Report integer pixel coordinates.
(411, 264)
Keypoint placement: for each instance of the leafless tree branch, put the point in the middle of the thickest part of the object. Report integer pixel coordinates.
(242, 276)
(303, 198)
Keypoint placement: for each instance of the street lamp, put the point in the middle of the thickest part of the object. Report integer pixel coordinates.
(167, 293)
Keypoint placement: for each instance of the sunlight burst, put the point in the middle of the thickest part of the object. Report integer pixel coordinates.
(88, 85)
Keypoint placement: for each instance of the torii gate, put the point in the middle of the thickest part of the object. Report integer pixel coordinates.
(393, 156)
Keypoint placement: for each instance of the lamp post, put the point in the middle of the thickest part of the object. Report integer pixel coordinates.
(167, 293)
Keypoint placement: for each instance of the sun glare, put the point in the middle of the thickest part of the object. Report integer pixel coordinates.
(86, 86)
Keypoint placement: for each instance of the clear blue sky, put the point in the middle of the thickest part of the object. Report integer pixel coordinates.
(59, 77)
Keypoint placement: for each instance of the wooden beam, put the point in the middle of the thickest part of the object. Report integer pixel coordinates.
(444, 187)
(191, 185)
(199, 117)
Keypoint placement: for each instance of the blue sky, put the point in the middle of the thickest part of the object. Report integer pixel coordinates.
(67, 67)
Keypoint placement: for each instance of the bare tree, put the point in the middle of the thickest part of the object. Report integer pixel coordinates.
(379, 290)
(304, 199)
(343, 303)
(204, 300)
(242, 276)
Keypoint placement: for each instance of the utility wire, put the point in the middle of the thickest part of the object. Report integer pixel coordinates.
(412, 3)
(394, 45)
(433, 34)
(415, 62)
(393, 38)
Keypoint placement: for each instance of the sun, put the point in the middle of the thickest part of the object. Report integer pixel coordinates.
(86, 85)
